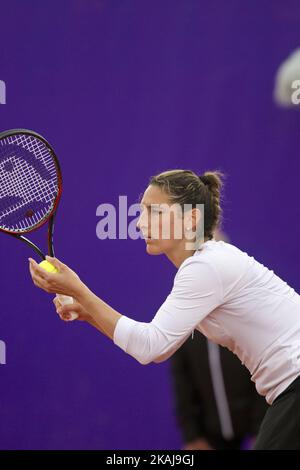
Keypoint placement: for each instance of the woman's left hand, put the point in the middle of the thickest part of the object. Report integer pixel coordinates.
(65, 281)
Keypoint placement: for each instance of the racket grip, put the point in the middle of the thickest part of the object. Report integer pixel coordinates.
(63, 299)
(66, 300)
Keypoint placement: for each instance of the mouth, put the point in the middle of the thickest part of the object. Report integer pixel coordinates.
(146, 236)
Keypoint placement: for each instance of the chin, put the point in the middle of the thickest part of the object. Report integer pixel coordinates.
(153, 250)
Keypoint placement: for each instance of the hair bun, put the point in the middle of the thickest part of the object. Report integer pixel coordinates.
(205, 180)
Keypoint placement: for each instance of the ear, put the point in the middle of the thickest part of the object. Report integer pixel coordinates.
(196, 217)
(192, 219)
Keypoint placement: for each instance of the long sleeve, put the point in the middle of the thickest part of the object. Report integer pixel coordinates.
(196, 292)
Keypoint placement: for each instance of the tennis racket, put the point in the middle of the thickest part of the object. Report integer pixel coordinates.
(30, 190)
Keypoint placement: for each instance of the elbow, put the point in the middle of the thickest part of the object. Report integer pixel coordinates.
(158, 360)
(149, 359)
(144, 361)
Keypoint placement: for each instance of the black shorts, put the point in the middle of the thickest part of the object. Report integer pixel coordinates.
(280, 428)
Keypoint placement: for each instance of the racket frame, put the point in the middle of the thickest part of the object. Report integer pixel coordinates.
(51, 216)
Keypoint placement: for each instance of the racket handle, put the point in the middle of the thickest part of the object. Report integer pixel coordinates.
(66, 300)
(63, 299)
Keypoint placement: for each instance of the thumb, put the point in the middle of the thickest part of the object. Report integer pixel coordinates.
(56, 263)
(62, 310)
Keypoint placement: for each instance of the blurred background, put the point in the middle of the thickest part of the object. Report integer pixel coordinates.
(124, 90)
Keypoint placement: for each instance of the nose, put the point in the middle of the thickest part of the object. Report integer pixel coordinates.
(142, 223)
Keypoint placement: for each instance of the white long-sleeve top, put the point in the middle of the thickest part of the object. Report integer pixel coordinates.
(234, 301)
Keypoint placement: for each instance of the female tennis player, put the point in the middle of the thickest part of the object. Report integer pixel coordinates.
(218, 289)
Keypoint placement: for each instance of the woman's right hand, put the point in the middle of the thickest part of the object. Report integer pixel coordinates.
(64, 311)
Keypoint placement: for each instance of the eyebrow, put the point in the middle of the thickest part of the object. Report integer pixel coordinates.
(143, 204)
(151, 204)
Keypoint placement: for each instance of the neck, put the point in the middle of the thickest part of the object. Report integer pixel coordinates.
(180, 254)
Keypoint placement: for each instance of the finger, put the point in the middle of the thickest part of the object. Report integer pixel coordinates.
(65, 316)
(66, 309)
(31, 270)
(37, 270)
(56, 301)
(34, 275)
(58, 313)
(43, 284)
(45, 287)
(37, 278)
(41, 278)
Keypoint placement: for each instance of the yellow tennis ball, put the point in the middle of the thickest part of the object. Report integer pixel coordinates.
(48, 266)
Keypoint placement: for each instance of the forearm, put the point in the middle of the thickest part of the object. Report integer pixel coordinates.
(172, 324)
(102, 316)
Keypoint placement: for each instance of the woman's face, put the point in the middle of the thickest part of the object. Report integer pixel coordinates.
(161, 222)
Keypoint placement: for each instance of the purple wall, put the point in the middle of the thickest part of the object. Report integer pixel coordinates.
(123, 90)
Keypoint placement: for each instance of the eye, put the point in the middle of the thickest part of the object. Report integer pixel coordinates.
(140, 208)
(157, 211)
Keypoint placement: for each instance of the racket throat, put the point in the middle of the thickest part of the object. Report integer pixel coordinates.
(29, 243)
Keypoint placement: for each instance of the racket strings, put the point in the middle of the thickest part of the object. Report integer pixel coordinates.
(18, 188)
(28, 182)
(37, 148)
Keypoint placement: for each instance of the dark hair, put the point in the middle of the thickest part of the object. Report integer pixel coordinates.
(186, 187)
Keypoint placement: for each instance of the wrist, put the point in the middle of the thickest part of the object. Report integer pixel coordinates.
(80, 292)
